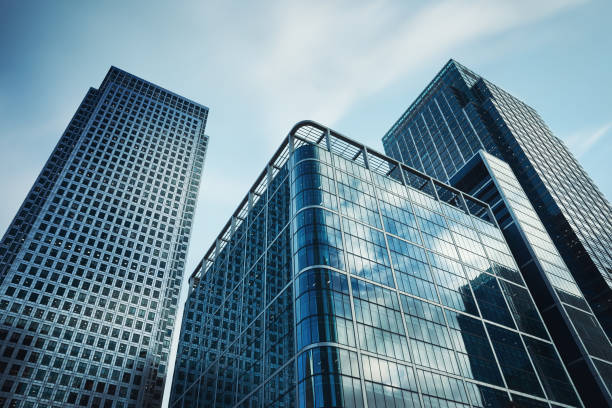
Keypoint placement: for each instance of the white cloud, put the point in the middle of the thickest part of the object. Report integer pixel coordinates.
(316, 60)
(581, 142)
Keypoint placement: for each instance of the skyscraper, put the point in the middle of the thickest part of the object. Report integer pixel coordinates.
(581, 341)
(459, 113)
(346, 278)
(92, 264)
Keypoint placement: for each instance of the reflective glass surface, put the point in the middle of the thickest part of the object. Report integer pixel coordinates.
(566, 220)
(400, 298)
(92, 265)
(572, 321)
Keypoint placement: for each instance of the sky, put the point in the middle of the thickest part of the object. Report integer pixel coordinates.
(263, 66)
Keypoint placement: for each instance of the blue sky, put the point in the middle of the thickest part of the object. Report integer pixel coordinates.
(262, 66)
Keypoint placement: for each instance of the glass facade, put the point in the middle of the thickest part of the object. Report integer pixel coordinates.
(574, 328)
(460, 113)
(347, 279)
(91, 266)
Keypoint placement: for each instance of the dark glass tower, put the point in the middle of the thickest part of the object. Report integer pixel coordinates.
(347, 279)
(574, 329)
(91, 266)
(459, 113)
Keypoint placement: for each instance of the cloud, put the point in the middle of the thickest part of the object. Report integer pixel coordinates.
(288, 61)
(316, 60)
(581, 142)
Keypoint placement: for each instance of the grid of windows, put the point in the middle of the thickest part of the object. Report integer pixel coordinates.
(460, 113)
(372, 315)
(569, 223)
(93, 262)
(542, 266)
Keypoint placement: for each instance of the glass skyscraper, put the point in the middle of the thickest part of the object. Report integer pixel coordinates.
(91, 266)
(460, 113)
(574, 328)
(348, 279)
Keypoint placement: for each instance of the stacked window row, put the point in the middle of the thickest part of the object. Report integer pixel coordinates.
(453, 268)
(86, 302)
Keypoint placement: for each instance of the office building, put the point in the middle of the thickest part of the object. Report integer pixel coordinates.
(460, 113)
(348, 279)
(575, 330)
(91, 266)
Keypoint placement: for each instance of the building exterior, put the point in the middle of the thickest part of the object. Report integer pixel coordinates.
(348, 279)
(460, 113)
(574, 329)
(91, 266)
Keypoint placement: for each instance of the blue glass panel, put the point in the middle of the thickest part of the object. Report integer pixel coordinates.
(328, 377)
(379, 321)
(430, 342)
(323, 310)
(474, 351)
(548, 365)
(514, 361)
(485, 397)
(318, 240)
(490, 299)
(453, 286)
(523, 309)
(411, 269)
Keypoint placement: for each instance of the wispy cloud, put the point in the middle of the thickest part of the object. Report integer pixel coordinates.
(292, 60)
(316, 60)
(581, 142)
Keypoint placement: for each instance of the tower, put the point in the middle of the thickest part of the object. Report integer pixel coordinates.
(345, 276)
(459, 113)
(574, 329)
(91, 266)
